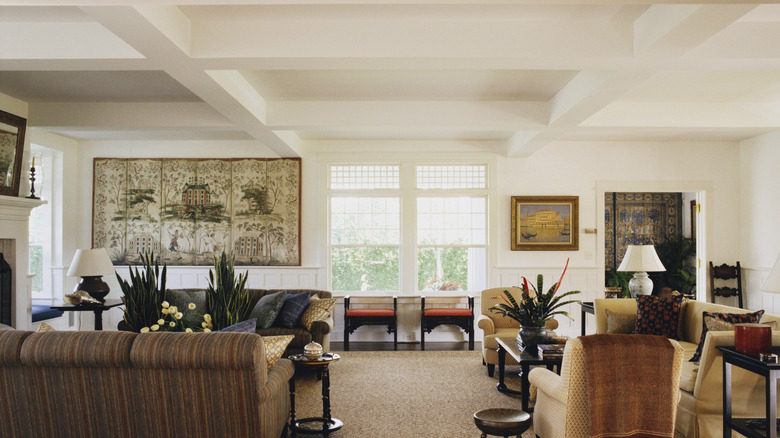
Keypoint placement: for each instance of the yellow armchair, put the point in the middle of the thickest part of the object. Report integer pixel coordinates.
(495, 326)
(561, 408)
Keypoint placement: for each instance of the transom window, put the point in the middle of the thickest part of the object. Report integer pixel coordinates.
(407, 228)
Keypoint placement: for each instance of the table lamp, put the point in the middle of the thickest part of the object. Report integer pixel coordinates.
(91, 265)
(641, 259)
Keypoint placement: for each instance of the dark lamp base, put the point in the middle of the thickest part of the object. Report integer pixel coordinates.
(94, 286)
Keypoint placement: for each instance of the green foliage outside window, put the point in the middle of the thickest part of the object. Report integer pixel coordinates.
(36, 267)
(365, 268)
(452, 266)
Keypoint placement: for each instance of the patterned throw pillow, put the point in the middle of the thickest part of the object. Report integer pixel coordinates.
(317, 310)
(45, 328)
(733, 318)
(267, 308)
(247, 326)
(294, 305)
(274, 348)
(623, 323)
(716, 325)
(658, 316)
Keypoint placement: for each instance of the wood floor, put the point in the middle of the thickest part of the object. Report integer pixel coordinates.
(404, 346)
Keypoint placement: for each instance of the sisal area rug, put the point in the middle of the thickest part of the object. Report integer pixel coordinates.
(394, 394)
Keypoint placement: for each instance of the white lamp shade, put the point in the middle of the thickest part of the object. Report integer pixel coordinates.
(772, 284)
(91, 263)
(641, 258)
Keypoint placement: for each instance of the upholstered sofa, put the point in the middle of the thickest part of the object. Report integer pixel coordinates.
(319, 332)
(122, 384)
(699, 412)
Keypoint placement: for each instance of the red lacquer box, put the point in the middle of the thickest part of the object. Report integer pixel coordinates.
(753, 339)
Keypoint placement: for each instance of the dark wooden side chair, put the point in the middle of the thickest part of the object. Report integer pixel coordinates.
(723, 273)
(435, 316)
(354, 318)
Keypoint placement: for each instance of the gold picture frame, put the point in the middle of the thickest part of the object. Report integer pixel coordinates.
(545, 223)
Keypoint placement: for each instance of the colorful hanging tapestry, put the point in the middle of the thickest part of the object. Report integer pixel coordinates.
(638, 218)
(189, 210)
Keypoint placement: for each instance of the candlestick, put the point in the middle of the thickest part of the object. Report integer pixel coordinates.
(32, 182)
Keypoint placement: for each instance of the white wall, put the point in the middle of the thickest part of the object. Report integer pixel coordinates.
(760, 210)
(562, 168)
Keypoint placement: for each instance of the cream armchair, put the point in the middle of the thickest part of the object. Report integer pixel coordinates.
(495, 326)
(561, 408)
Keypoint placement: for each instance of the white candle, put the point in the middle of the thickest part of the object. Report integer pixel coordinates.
(33, 164)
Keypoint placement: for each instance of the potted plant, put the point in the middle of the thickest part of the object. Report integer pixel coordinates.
(535, 309)
(143, 295)
(226, 297)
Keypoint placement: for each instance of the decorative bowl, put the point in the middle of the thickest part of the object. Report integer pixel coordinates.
(312, 350)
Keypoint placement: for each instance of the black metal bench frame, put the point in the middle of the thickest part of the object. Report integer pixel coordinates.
(430, 322)
(351, 323)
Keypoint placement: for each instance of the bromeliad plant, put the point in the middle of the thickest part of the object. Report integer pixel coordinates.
(535, 310)
(226, 297)
(143, 295)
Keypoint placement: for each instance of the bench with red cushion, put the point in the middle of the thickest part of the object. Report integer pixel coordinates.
(354, 318)
(433, 317)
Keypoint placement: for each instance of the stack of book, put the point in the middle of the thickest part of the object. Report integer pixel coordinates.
(551, 351)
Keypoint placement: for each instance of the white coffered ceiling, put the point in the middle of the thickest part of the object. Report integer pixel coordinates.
(299, 75)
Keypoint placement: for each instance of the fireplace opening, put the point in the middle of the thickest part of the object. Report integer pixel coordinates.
(5, 291)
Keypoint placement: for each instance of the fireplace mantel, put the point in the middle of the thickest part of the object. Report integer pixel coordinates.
(15, 225)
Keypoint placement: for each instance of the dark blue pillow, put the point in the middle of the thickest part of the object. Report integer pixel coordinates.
(247, 326)
(294, 305)
(267, 308)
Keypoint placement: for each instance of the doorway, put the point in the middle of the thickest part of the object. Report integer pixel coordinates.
(666, 220)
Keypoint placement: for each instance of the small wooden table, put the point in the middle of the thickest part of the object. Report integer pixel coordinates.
(329, 424)
(502, 422)
(585, 308)
(98, 308)
(525, 359)
(750, 427)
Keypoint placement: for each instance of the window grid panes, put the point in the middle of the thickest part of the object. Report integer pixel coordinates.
(447, 250)
(452, 177)
(452, 220)
(364, 177)
(365, 220)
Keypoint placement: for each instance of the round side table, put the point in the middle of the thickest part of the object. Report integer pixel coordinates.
(502, 422)
(328, 424)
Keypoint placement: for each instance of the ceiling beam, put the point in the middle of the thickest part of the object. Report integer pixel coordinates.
(161, 34)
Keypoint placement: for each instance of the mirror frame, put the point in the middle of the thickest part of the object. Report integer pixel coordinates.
(20, 124)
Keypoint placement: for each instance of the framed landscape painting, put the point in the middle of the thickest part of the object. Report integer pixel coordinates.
(545, 223)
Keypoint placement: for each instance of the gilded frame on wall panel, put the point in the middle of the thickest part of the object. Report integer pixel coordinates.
(12, 128)
(545, 223)
(188, 210)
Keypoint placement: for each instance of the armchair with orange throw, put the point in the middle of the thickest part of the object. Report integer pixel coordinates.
(619, 385)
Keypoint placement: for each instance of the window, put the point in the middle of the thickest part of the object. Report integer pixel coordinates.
(447, 250)
(40, 240)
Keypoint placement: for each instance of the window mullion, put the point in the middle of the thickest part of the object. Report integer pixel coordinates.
(408, 251)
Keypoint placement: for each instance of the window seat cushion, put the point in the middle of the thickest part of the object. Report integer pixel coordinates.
(447, 312)
(42, 312)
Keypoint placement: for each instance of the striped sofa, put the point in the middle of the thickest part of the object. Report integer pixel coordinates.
(121, 384)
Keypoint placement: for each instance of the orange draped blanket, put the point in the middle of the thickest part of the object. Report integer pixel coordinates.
(629, 385)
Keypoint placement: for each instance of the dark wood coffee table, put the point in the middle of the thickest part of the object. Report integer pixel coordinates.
(97, 308)
(525, 359)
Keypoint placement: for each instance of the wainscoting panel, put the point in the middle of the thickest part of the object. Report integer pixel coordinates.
(755, 299)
